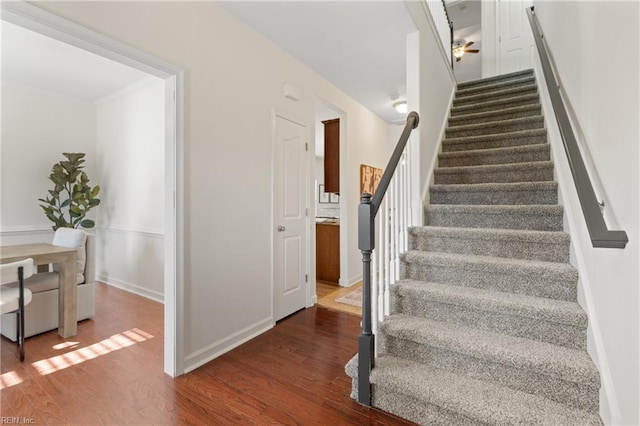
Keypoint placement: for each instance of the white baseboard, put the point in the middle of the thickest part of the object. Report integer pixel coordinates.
(351, 281)
(132, 288)
(211, 352)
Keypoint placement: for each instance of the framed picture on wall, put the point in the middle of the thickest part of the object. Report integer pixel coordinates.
(323, 197)
(334, 198)
(369, 179)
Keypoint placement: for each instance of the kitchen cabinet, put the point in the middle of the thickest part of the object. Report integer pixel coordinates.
(332, 155)
(328, 252)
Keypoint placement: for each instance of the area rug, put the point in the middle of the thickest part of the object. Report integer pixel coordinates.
(354, 298)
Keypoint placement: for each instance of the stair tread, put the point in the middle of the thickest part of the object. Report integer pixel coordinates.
(499, 208)
(521, 99)
(523, 235)
(538, 209)
(502, 77)
(501, 112)
(486, 168)
(524, 79)
(538, 267)
(482, 97)
(480, 401)
(495, 136)
(496, 123)
(495, 151)
(511, 186)
(538, 308)
(573, 365)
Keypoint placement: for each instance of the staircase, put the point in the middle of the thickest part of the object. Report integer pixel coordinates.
(485, 328)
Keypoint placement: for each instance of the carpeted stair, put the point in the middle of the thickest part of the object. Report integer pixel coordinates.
(485, 328)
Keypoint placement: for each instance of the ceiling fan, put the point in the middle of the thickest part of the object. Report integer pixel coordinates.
(459, 49)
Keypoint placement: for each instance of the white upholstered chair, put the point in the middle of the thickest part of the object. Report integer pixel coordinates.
(42, 313)
(14, 297)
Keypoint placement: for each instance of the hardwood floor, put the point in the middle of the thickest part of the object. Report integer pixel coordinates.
(328, 293)
(111, 373)
(324, 288)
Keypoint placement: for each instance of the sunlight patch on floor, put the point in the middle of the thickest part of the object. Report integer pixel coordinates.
(65, 345)
(80, 355)
(9, 379)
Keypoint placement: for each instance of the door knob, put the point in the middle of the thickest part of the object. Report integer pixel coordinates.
(281, 228)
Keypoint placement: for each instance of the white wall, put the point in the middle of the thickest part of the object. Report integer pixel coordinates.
(234, 80)
(130, 142)
(37, 128)
(430, 90)
(600, 83)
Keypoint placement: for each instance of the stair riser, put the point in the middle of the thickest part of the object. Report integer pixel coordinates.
(511, 175)
(494, 105)
(576, 395)
(491, 220)
(499, 322)
(462, 120)
(529, 197)
(495, 80)
(515, 281)
(529, 123)
(517, 155)
(489, 143)
(390, 400)
(514, 249)
(495, 96)
(501, 85)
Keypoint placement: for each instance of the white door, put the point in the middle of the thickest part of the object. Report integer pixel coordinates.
(290, 236)
(514, 35)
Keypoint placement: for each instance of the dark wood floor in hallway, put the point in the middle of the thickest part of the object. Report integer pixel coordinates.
(111, 373)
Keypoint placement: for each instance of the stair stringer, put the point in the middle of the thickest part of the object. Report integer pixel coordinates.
(421, 197)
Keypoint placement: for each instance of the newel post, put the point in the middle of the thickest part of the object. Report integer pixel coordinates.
(366, 244)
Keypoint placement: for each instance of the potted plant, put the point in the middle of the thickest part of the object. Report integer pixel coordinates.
(72, 197)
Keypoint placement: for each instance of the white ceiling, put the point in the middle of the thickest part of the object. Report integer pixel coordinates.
(38, 62)
(359, 46)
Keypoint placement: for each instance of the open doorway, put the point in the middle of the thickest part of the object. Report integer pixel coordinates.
(330, 210)
(123, 164)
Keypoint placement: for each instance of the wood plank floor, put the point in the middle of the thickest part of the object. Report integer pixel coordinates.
(111, 373)
(328, 293)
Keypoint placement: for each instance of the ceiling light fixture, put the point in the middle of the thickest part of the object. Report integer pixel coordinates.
(458, 52)
(400, 106)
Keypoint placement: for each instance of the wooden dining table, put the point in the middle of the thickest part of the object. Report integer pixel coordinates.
(65, 259)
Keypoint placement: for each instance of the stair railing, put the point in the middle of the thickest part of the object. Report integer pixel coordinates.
(600, 235)
(392, 197)
(440, 16)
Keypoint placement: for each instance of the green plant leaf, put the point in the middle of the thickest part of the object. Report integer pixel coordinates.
(74, 156)
(71, 184)
(87, 223)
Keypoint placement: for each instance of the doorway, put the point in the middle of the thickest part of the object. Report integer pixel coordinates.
(42, 22)
(330, 248)
(328, 129)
